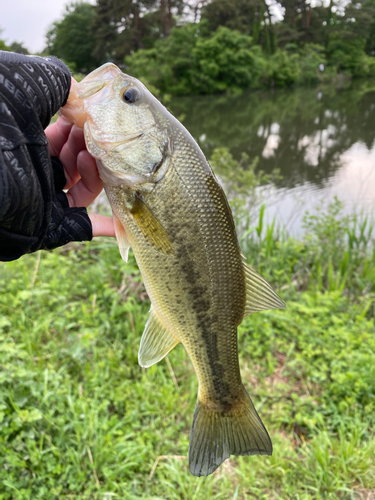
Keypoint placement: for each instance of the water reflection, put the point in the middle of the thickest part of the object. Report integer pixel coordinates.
(322, 141)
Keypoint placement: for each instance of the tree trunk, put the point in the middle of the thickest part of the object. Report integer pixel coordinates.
(329, 17)
(257, 25)
(162, 16)
(199, 4)
(308, 17)
(169, 17)
(303, 14)
(269, 29)
(137, 31)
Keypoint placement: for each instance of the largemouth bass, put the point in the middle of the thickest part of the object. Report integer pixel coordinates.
(168, 206)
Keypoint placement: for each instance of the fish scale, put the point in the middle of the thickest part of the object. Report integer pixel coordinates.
(169, 207)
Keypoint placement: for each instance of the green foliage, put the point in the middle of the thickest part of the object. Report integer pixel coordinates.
(4, 46)
(167, 66)
(359, 21)
(348, 54)
(311, 56)
(13, 47)
(295, 65)
(336, 254)
(282, 69)
(123, 26)
(328, 346)
(18, 47)
(227, 61)
(250, 17)
(224, 61)
(72, 40)
(241, 181)
(240, 177)
(192, 60)
(232, 48)
(80, 419)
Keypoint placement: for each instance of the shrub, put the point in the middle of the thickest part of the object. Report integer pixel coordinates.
(192, 62)
(311, 56)
(282, 69)
(226, 61)
(348, 54)
(167, 66)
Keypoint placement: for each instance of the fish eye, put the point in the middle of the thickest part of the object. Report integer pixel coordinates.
(131, 95)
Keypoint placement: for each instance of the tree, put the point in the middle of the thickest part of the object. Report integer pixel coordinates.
(169, 63)
(194, 61)
(347, 53)
(359, 20)
(123, 26)
(18, 47)
(13, 47)
(3, 45)
(250, 17)
(227, 60)
(72, 38)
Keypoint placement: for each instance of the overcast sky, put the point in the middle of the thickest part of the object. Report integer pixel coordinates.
(27, 21)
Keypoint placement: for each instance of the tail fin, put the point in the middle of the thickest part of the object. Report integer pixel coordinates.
(215, 436)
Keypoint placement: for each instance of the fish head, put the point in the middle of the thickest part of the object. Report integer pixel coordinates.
(125, 126)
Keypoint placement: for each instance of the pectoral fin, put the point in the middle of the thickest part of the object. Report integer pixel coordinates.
(156, 342)
(150, 227)
(122, 239)
(260, 295)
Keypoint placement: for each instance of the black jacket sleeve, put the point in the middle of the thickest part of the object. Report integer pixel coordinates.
(34, 211)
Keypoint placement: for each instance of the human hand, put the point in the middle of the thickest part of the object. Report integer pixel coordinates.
(35, 213)
(66, 141)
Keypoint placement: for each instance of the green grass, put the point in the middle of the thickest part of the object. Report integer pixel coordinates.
(80, 419)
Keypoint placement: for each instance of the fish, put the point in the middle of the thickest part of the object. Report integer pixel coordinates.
(169, 207)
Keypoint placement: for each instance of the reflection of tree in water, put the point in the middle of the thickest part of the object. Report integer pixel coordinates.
(302, 135)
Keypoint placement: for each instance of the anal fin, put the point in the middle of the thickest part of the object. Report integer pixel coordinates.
(260, 296)
(156, 342)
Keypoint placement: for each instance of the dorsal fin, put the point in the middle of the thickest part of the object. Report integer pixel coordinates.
(260, 296)
(156, 342)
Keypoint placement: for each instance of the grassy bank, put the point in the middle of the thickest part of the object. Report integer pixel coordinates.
(79, 419)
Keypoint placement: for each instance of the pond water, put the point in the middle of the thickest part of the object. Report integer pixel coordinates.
(322, 141)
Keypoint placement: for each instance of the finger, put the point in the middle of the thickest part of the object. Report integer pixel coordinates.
(69, 153)
(102, 225)
(84, 192)
(57, 134)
